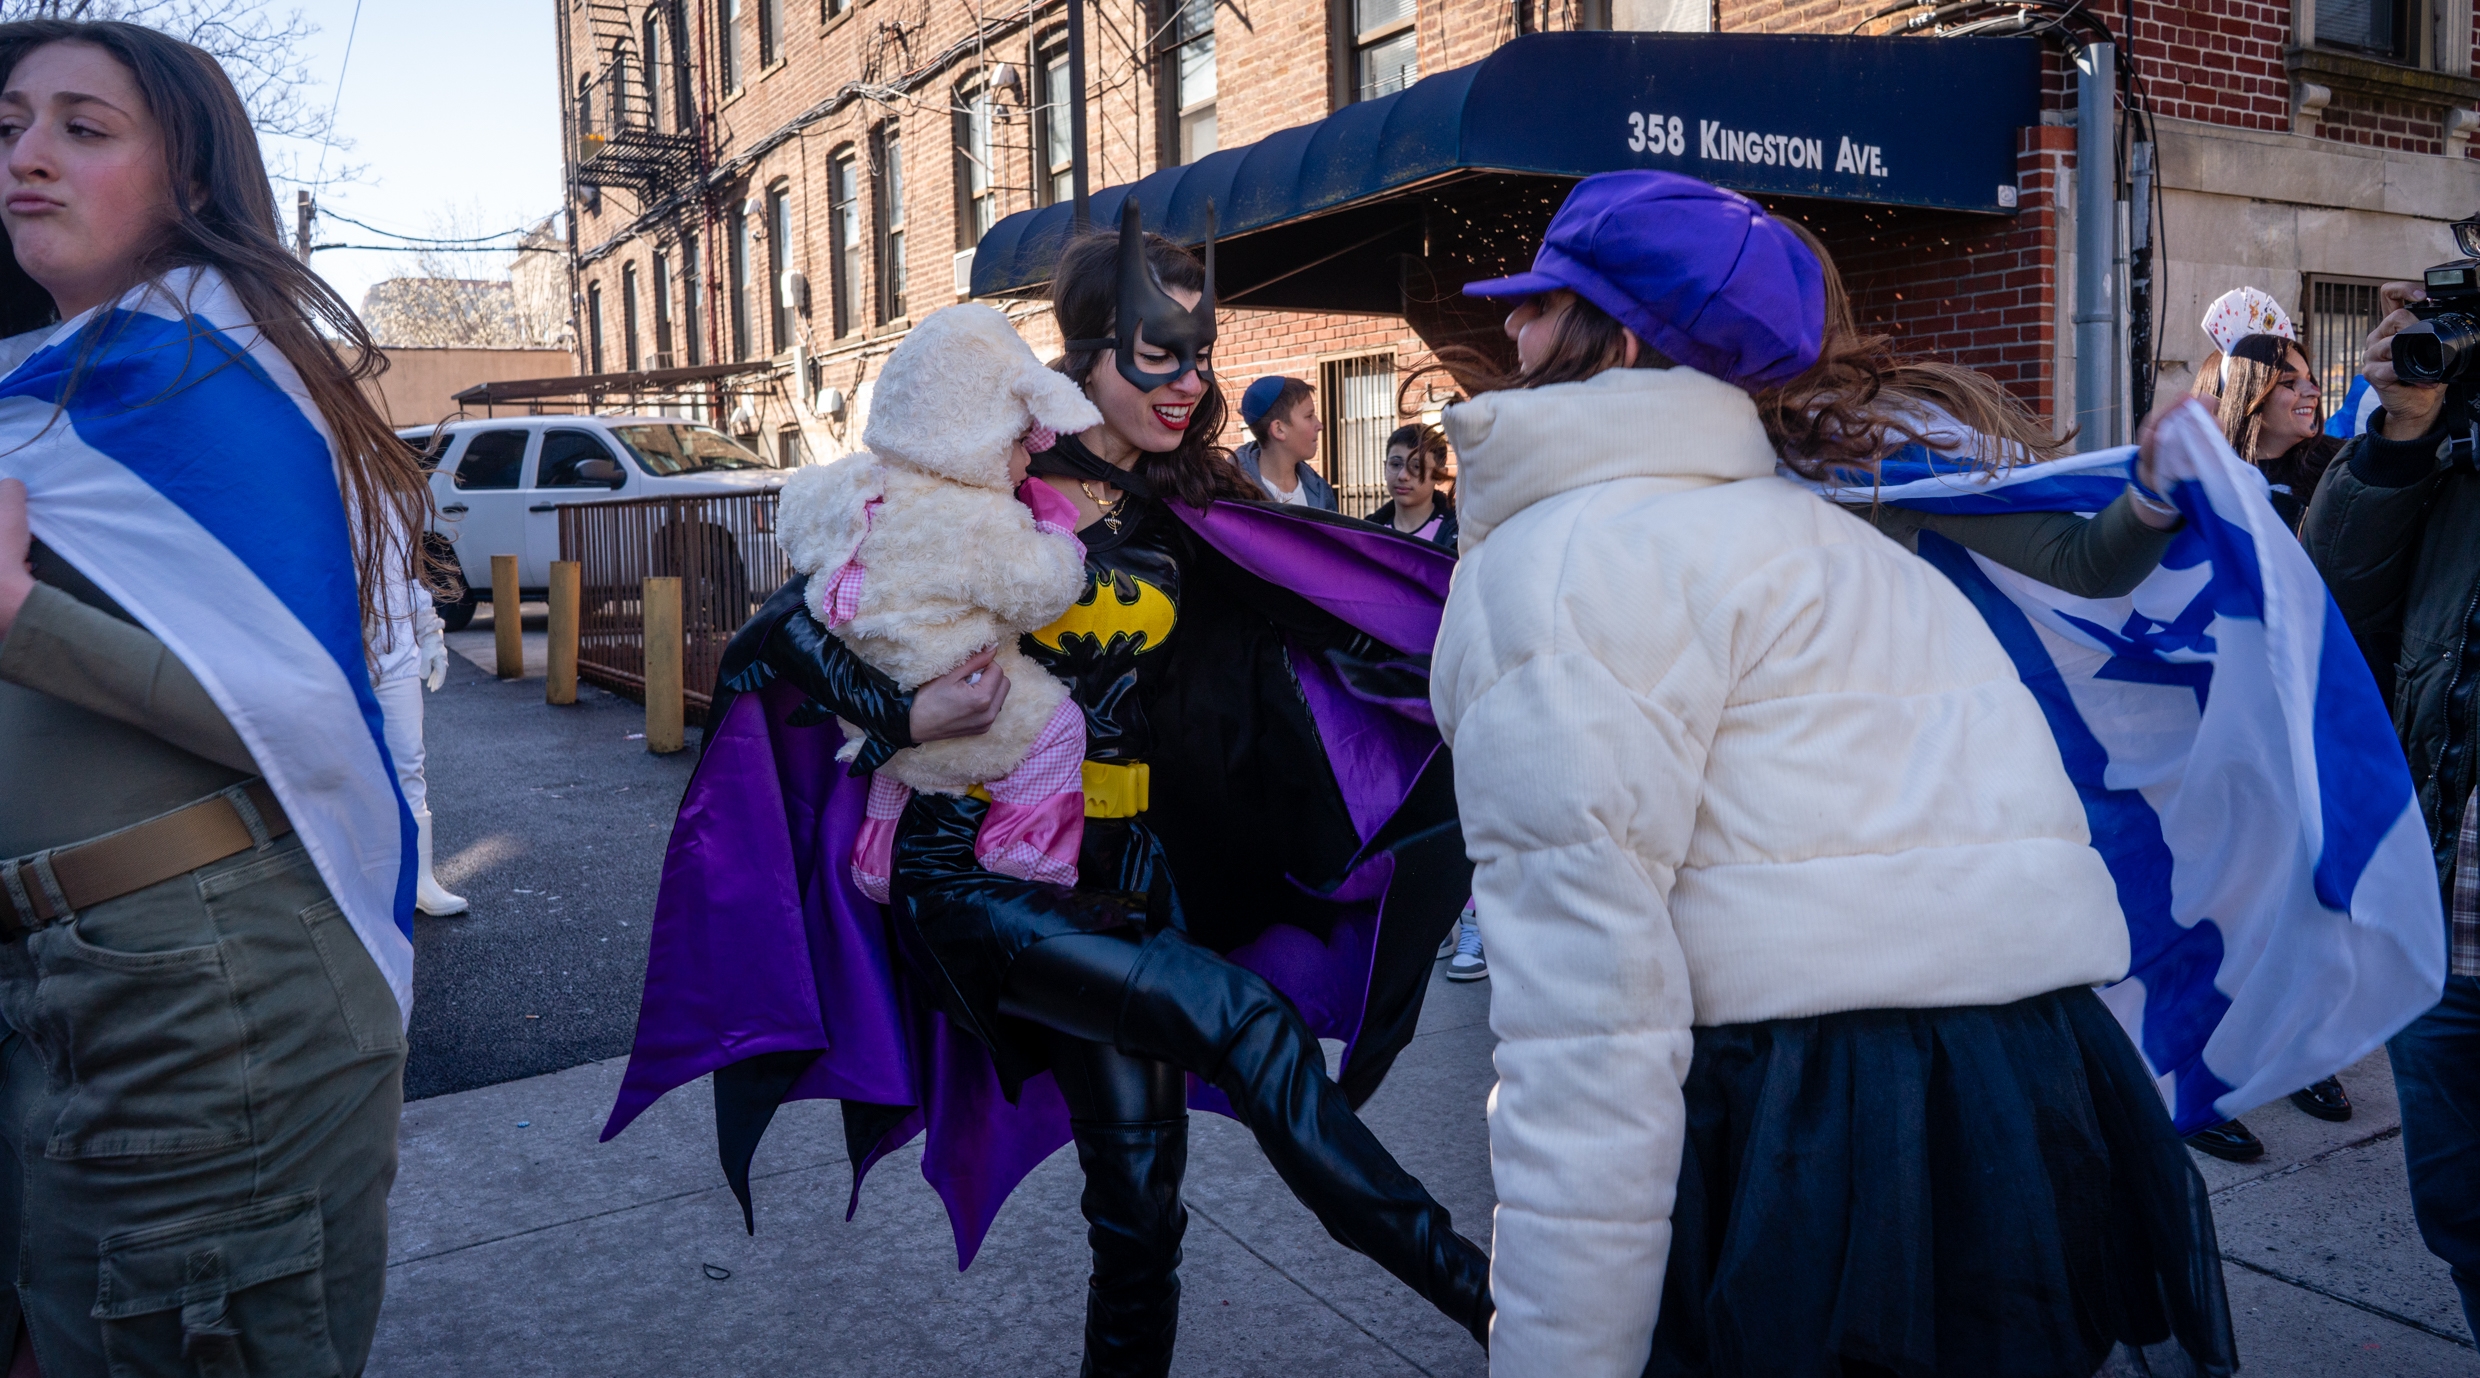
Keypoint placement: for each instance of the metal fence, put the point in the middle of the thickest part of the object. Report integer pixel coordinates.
(721, 548)
(1358, 395)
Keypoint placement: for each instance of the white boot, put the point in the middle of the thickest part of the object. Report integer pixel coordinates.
(429, 895)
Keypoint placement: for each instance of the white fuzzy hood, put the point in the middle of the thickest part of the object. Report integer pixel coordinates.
(955, 395)
(1518, 447)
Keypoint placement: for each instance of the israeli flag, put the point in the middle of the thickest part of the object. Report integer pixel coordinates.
(189, 476)
(2351, 418)
(2238, 769)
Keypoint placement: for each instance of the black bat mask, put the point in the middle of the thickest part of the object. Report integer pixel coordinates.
(1186, 333)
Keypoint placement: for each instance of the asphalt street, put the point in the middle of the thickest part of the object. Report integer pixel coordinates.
(551, 821)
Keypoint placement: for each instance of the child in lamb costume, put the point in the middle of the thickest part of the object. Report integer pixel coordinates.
(929, 546)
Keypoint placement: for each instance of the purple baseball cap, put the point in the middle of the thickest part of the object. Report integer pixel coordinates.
(1702, 274)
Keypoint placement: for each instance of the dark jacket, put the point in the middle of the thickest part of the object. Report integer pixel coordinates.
(2295, 473)
(1443, 537)
(2397, 537)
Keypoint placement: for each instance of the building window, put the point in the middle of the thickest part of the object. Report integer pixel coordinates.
(692, 299)
(1356, 398)
(770, 32)
(2341, 313)
(585, 106)
(1056, 137)
(660, 279)
(1192, 77)
(1383, 60)
(844, 193)
(977, 195)
(788, 451)
(653, 55)
(834, 9)
(779, 229)
(740, 228)
(628, 317)
(594, 327)
(890, 195)
(728, 43)
(2376, 27)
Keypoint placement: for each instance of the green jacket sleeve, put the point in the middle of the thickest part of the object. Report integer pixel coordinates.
(2104, 556)
(86, 656)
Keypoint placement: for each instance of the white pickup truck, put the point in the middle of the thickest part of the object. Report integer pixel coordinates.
(499, 485)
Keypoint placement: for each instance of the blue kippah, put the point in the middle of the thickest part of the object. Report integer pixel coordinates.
(1259, 399)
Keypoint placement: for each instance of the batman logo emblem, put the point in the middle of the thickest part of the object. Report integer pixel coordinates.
(1117, 606)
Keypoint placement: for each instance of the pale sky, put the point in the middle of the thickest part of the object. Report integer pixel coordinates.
(452, 109)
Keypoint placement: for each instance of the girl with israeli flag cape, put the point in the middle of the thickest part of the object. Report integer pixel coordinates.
(2235, 761)
(207, 867)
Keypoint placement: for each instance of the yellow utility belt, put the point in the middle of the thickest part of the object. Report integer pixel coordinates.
(1113, 789)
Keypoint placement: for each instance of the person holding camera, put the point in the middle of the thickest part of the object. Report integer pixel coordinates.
(2395, 529)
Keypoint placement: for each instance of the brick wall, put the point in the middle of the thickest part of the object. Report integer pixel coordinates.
(1968, 289)
(2402, 126)
(2214, 61)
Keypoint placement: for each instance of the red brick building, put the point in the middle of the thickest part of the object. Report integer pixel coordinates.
(793, 182)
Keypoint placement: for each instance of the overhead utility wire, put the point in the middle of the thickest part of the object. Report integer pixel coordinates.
(477, 240)
(338, 99)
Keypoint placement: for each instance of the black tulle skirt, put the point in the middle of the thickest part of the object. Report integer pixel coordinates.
(1984, 1192)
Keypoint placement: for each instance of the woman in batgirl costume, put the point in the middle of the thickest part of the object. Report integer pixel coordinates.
(1242, 891)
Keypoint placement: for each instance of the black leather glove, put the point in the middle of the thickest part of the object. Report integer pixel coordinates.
(841, 685)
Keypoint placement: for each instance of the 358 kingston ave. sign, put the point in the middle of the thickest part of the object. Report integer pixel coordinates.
(1902, 121)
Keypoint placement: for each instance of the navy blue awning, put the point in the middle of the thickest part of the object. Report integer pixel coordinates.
(1321, 216)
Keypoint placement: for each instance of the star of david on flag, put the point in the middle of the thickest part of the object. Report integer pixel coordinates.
(2238, 769)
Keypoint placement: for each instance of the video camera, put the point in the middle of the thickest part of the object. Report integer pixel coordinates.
(2445, 346)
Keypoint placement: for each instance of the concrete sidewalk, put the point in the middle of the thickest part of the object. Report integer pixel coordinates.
(522, 1246)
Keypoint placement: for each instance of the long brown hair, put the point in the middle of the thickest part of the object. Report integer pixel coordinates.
(1584, 340)
(224, 217)
(1085, 300)
(1848, 410)
(2237, 387)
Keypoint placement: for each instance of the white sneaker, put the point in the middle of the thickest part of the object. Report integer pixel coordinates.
(1468, 964)
(1446, 945)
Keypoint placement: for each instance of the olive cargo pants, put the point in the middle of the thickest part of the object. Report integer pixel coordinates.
(199, 1091)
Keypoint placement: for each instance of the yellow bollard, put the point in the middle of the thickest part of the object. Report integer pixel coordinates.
(664, 708)
(507, 621)
(560, 682)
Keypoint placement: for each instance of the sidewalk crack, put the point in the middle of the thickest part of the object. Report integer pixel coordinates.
(2380, 1136)
(754, 1179)
(1285, 1274)
(2371, 1308)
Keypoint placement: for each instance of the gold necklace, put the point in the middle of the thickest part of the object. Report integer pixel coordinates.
(1109, 510)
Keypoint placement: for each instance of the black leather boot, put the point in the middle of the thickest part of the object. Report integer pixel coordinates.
(1187, 1006)
(1132, 1204)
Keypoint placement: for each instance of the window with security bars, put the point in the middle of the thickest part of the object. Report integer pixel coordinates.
(1356, 398)
(2341, 312)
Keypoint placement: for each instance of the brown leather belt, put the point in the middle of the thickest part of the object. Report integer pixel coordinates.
(43, 889)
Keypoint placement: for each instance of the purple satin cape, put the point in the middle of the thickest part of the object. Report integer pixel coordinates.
(762, 945)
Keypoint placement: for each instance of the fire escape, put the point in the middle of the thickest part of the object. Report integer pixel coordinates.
(622, 140)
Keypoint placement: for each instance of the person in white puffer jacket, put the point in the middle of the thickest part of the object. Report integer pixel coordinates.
(1792, 908)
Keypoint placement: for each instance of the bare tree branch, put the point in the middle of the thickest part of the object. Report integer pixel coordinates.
(260, 51)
